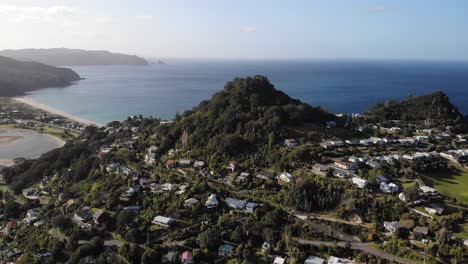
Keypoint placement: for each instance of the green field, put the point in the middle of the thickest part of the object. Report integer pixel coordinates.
(452, 182)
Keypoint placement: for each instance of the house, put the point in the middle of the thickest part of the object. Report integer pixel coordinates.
(211, 202)
(361, 183)
(314, 260)
(355, 159)
(373, 164)
(320, 169)
(250, 207)
(190, 202)
(265, 246)
(434, 209)
(226, 250)
(42, 253)
(133, 208)
(145, 182)
(150, 158)
(185, 162)
(199, 164)
(10, 227)
(345, 165)
(232, 166)
(336, 260)
(381, 178)
(290, 142)
(167, 187)
(182, 189)
(403, 197)
(162, 221)
(171, 163)
(169, 257)
(286, 177)
(420, 232)
(389, 187)
(279, 260)
(82, 216)
(186, 257)
(340, 174)
(235, 203)
(428, 191)
(392, 226)
(243, 177)
(98, 216)
(421, 139)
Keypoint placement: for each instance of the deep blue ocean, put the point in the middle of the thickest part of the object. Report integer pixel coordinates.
(115, 92)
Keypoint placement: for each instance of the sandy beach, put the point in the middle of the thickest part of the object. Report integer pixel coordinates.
(54, 111)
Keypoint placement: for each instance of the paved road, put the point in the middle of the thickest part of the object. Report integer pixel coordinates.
(357, 246)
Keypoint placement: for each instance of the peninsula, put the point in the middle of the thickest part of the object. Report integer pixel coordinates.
(74, 57)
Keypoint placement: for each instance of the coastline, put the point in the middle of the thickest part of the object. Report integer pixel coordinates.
(51, 110)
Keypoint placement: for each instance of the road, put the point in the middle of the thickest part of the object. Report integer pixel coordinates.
(359, 247)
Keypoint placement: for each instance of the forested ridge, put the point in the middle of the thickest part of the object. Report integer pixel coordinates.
(17, 77)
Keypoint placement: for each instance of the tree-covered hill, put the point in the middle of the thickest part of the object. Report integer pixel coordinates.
(18, 77)
(73, 57)
(435, 107)
(249, 112)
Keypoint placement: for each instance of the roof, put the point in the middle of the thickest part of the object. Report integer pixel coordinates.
(279, 260)
(187, 255)
(427, 189)
(314, 260)
(336, 260)
(11, 224)
(421, 230)
(162, 219)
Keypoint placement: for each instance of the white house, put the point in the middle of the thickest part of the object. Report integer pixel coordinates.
(434, 209)
(279, 260)
(389, 187)
(286, 177)
(211, 202)
(361, 183)
(162, 221)
(336, 260)
(236, 203)
(314, 260)
(428, 191)
(392, 226)
(290, 142)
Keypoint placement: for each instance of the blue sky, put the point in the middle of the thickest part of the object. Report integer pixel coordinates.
(241, 29)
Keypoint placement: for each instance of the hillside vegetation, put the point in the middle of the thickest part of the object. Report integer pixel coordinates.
(435, 107)
(18, 77)
(73, 57)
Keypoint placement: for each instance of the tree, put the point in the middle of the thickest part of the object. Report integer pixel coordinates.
(209, 238)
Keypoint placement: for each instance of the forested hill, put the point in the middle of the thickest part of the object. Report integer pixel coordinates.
(73, 57)
(248, 112)
(18, 77)
(435, 107)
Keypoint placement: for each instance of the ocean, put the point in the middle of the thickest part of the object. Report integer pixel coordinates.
(115, 92)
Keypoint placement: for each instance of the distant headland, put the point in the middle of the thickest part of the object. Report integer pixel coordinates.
(73, 57)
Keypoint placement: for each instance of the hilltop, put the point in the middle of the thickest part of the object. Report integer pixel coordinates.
(247, 113)
(435, 108)
(18, 77)
(73, 57)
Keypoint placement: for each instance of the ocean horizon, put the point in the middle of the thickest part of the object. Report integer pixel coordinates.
(340, 86)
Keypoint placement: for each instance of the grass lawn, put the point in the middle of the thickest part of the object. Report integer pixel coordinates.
(452, 182)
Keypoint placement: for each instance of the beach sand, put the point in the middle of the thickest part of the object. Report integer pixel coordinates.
(54, 111)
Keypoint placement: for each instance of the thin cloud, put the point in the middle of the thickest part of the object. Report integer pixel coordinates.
(26, 14)
(377, 9)
(249, 30)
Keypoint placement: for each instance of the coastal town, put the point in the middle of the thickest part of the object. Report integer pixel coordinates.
(387, 192)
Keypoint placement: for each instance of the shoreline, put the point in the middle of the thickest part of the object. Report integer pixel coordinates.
(31, 102)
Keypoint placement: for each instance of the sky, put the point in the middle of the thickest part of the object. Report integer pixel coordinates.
(243, 29)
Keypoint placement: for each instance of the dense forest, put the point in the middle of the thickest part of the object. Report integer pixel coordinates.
(18, 77)
(434, 107)
(73, 57)
(247, 114)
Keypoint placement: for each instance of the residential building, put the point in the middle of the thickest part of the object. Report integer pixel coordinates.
(250, 207)
(420, 232)
(361, 183)
(211, 202)
(162, 221)
(336, 260)
(428, 191)
(392, 226)
(186, 257)
(235, 203)
(190, 202)
(389, 187)
(320, 169)
(314, 260)
(345, 165)
(290, 142)
(286, 177)
(279, 260)
(434, 209)
(381, 178)
(185, 162)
